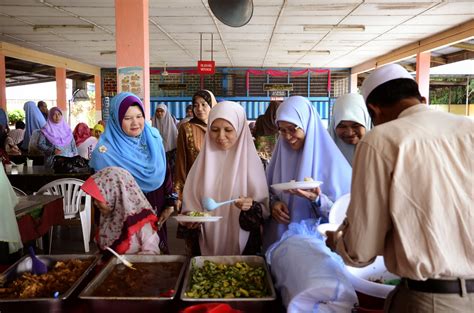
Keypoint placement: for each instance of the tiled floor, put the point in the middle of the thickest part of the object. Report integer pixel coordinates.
(68, 240)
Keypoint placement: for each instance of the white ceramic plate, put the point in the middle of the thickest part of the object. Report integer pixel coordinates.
(360, 278)
(297, 185)
(323, 228)
(339, 208)
(196, 219)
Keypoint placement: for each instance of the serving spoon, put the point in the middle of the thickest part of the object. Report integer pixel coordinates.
(37, 267)
(122, 259)
(210, 204)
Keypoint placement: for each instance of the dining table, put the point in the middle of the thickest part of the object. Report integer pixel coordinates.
(36, 214)
(31, 179)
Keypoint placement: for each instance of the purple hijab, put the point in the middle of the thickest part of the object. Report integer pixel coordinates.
(319, 159)
(59, 134)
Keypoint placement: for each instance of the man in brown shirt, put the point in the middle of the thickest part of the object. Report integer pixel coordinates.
(412, 198)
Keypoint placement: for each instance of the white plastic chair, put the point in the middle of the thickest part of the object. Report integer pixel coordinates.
(18, 191)
(74, 206)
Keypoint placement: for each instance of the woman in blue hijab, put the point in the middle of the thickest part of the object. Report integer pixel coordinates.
(130, 143)
(34, 120)
(304, 150)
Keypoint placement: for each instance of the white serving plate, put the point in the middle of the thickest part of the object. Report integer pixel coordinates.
(297, 185)
(196, 219)
(323, 228)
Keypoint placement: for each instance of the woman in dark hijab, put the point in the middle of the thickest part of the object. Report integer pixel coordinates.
(190, 141)
(266, 132)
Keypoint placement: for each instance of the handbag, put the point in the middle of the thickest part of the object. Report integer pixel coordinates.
(75, 164)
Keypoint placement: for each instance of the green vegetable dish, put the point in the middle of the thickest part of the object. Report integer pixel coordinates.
(197, 214)
(214, 280)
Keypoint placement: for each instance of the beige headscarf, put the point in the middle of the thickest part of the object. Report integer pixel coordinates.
(167, 128)
(9, 231)
(225, 175)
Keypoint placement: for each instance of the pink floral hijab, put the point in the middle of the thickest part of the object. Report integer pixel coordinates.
(225, 175)
(130, 208)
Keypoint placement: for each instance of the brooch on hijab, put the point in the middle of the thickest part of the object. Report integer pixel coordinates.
(102, 149)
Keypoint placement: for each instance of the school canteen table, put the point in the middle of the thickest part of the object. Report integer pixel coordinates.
(31, 179)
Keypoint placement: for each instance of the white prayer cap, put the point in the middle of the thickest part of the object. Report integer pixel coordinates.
(382, 75)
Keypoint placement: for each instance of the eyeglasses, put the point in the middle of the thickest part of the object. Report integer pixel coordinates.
(288, 131)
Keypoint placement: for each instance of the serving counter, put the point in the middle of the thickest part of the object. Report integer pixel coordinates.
(75, 304)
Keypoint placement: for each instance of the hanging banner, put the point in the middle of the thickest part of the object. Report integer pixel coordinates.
(130, 79)
(206, 67)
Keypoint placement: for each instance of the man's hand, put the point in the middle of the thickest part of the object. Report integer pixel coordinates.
(280, 212)
(331, 239)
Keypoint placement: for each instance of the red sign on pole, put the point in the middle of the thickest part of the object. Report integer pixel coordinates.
(206, 67)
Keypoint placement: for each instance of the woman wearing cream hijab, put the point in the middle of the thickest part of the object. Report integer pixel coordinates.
(228, 168)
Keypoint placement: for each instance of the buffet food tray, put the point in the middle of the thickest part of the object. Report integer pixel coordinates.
(251, 260)
(25, 265)
(90, 292)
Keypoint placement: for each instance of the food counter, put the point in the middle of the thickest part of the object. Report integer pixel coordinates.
(79, 300)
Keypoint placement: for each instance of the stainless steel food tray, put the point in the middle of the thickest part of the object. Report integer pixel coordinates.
(25, 265)
(252, 260)
(88, 292)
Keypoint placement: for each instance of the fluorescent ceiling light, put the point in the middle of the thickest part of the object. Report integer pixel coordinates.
(294, 64)
(336, 28)
(38, 27)
(309, 52)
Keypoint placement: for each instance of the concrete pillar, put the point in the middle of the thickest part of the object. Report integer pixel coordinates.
(61, 101)
(3, 83)
(423, 61)
(353, 85)
(132, 43)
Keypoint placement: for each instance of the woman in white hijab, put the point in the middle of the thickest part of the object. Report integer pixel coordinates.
(349, 123)
(165, 123)
(228, 167)
(9, 231)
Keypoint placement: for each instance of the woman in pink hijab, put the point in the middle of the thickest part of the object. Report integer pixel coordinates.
(85, 142)
(228, 167)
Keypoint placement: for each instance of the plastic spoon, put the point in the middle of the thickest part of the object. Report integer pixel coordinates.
(210, 204)
(38, 267)
(122, 259)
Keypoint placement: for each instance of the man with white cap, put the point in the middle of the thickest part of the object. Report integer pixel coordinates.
(412, 198)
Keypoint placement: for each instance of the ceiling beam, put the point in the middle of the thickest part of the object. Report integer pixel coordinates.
(451, 36)
(438, 60)
(30, 82)
(17, 52)
(465, 46)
